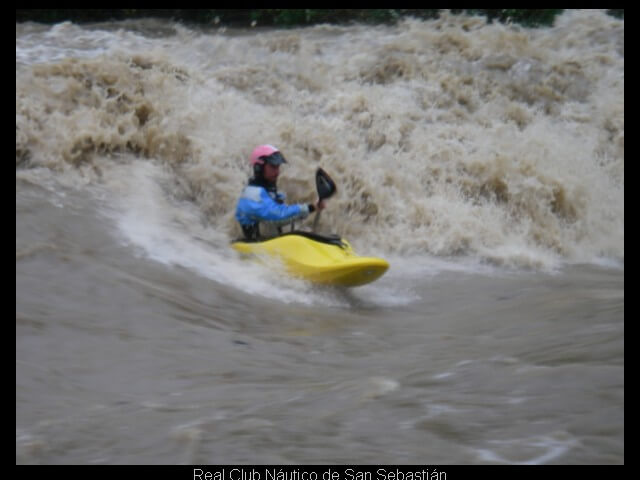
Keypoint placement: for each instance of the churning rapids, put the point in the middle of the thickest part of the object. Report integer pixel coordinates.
(484, 161)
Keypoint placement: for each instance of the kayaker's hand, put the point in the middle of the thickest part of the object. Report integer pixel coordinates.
(316, 206)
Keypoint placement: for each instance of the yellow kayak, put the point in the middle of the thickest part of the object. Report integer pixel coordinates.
(327, 260)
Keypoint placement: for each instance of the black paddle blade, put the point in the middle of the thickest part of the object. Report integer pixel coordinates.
(325, 185)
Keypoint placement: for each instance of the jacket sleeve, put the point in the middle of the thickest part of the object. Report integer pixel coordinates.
(257, 206)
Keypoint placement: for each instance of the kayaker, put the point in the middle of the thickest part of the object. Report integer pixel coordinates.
(261, 203)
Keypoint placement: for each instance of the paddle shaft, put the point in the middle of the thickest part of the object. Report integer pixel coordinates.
(316, 220)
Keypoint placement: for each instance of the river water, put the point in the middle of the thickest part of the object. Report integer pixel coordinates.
(484, 162)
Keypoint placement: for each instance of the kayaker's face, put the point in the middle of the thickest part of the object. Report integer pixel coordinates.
(271, 172)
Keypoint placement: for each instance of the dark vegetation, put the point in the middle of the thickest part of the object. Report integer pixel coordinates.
(283, 17)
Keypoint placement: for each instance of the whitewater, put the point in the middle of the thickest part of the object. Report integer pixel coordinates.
(485, 162)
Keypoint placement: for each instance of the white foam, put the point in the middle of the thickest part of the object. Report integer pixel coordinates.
(546, 448)
(447, 138)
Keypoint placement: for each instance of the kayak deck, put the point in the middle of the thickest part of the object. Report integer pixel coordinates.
(326, 260)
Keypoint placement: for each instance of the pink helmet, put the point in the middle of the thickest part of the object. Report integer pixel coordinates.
(267, 153)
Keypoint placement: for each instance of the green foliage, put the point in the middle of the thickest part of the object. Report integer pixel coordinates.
(288, 17)
(525, 17)
(619, 13)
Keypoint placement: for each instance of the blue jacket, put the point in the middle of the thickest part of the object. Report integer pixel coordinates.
(257, 205)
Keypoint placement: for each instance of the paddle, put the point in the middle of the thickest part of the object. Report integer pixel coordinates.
(326, 188)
